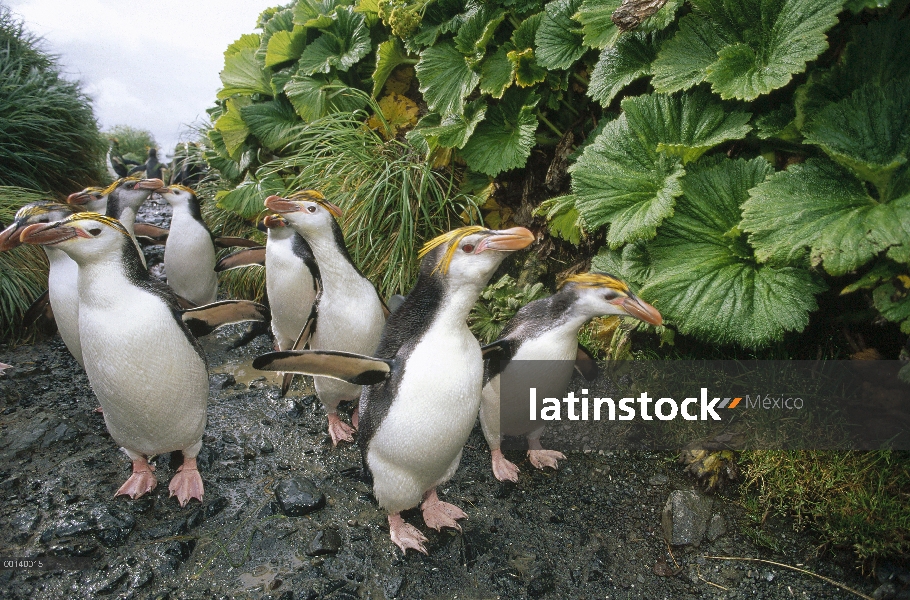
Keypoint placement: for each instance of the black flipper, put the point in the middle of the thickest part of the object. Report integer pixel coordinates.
(242, 258)
(206, 319)
(395, 301)
(346, 366)
(234, 242)
(585, 363)
(40, 309)
(496, 356)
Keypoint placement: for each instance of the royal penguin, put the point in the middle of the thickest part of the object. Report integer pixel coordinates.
(349, 313)
(122, 201)
(546, 331)
(142, 361)
(61, 279)
(189, 255)
(422, 388)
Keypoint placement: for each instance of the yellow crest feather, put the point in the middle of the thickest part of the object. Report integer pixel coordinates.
(453, 237)
(595, 279)
(107, 191)
(177, 186)
(105, 220)
(39, 208)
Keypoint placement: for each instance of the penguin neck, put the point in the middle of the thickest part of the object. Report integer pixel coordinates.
(458, 302)
(331, 254)
(126, 215)
(101, 282)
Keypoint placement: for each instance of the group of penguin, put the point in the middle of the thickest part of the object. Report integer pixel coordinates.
(420, 375)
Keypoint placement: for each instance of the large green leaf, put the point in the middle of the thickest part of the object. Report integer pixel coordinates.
(317, 13)
(622, 180)
(867, 132)
(893, 301)
(446, 78)
(563, 219)
(558, 43)
(285, 46)
(685, 125)
(744, 48)
(705, 279)
(622, 64)
(632, 263)
(596, 18)
(232, 127)
(454, 130)
(343, 43)
(389, 55)
(273, 122)
(504, 139)
(497, 72)
(820, 206)
(247, 198)
(478, 30)
(244, 74)
(877, 54)
(247, 41)
(314, 97)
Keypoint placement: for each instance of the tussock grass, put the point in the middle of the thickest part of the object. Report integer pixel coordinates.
(23, 270)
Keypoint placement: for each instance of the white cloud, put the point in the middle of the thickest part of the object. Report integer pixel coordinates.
(153, 66)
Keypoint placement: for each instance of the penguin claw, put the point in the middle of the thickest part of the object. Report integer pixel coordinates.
(503, 469)
(339, 430)
(545, 458)
(186, 484)
(438, 514)
(405, 535)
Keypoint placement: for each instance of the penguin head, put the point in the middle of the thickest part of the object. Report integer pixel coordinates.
(43, 211)
(91, 199)
(470, 255)
(129, 192)
(178, 195)
(598, 294)
(86, 237)
(306, 211)
(277, 226)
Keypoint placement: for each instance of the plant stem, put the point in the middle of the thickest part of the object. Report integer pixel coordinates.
(581, 79)
(410, 61)
(549, 124)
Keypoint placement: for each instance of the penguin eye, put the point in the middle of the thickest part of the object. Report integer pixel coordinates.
(94, 230)
(468, 248)
(610, 295)
(311, 209)
(44, 220)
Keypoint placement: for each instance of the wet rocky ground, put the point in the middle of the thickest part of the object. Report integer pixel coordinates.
(286, 516)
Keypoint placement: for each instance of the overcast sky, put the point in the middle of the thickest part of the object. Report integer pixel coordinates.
(150, 65)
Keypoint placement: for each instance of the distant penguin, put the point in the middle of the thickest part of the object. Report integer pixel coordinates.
(61, 280)
(349, 315)
(422, 390)
(189, 255)
(142, 362)
(546, 331)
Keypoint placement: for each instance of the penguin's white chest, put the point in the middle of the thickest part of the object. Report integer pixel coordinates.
(418, 443)
(189, 260)
(63, 293)
(291, 290)
(149, 379)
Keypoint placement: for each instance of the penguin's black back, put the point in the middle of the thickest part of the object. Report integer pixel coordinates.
(302, 250)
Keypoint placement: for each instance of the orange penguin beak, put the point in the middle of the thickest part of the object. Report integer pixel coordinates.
(149, 184)
(280, 205)
(9, 237)
(78, 198)
(274, 221)
(640, 309)
(48, 234)
(515, 238)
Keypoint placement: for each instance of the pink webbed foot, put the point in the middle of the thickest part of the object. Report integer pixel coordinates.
(503, 469)
(545, 458)
(141, 482)
(339, 430)
(99, 410)
(355, 418)
(406, 536)
(186, 483)
(438, 514)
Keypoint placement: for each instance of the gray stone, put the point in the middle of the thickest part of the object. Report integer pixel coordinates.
(112, 525)
(24, 524)
(298, 496)
(716, 528)
(659, 479)
(220, 381)
(685, 517)
(886, 591)
(326, 541)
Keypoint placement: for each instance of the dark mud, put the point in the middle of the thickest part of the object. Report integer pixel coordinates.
(590, 530)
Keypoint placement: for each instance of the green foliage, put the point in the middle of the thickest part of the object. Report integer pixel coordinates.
(132, 143)
(49, 139)
(498, 303)
(23, 270)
